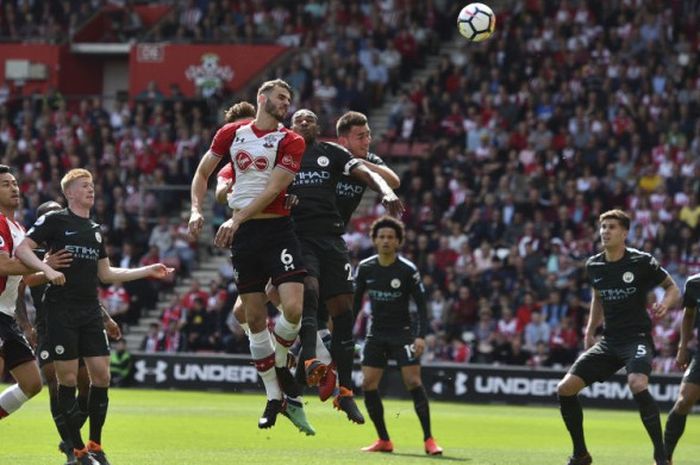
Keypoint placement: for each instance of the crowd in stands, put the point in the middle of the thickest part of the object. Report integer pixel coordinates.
(567, 112)
(572, 108)
(49, 21)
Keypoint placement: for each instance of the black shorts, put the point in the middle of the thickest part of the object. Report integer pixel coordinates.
(605, 358)
(14, 347)
(379, 349)
(43, 350)
(70, 338)
(328, 260)
(692, 374)
(266, 249)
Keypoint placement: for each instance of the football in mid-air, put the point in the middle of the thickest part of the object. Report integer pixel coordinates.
(476, 22)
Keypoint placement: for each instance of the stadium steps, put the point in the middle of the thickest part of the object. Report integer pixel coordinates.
(211, 261)
(379, 117)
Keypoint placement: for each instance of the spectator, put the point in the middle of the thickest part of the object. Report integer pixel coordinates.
(120, 365)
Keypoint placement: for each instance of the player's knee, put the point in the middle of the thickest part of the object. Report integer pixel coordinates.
(239, 311)
(412, 383)
(567, 388)
(101, 379)
(637, 383)
(686, 400)
(370, 384)
(683, 405)
(30, 387)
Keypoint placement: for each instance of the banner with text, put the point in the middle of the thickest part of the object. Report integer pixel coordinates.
(198, 70)
(449, 382)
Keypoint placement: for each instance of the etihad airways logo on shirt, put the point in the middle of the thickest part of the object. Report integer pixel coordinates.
(86, 253)
(345, 189)
(611, 295)
(305, 178)
(384, 296)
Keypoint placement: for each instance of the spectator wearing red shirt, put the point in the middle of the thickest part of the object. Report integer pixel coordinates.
(523, 314)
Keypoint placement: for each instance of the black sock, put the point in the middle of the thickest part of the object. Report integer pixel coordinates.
(59, 419)
(343, 348)
(675, 425)
(374, 406)
(420, 403)
(97, 407)
(83, 410)
(307, 333)
(649, 411)
(572, 413)
(68, 405)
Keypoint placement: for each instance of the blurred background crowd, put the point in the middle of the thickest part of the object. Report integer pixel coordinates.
(508, 151)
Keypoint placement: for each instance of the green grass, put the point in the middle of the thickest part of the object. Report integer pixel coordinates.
(188, 428)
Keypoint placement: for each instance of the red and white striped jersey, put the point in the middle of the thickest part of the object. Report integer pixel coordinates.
(254, 153)
(11, 234)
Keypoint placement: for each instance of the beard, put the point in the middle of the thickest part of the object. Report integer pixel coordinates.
(272, 110)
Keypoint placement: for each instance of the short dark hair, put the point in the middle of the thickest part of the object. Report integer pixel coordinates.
(348, 120)
(46, 207)
(616, 214)
(388, 222)
(267, 86)
(5, 169)
(238, 111)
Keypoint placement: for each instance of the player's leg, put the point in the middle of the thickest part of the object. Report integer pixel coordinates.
(28, 383)
(337, 293)
(83, 392)
(638, 356)
(18, 358)
(67, 378)
(308, 329)
(294, 405)
(327, 384)
(263, 353)
(596, 364)
(287, 272)
(49, 374)
(239, 314)
(94, 349)
(374, 361)
(98, 403)
(342, 351)
(687, 398)
(411, 374)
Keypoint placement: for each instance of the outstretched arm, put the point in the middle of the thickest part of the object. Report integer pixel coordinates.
(377, 184)
(387, 174)
(109, 274)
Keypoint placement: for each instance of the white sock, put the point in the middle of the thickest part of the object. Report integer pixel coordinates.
(12, 398)
(285, 335)
(322, 352)
(264, 357)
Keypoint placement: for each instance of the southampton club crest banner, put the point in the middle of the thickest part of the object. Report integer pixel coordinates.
(199, 70)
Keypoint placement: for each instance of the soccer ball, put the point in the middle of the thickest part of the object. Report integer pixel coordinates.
(476, 22)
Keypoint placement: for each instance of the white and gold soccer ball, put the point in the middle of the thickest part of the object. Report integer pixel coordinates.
(476, 22)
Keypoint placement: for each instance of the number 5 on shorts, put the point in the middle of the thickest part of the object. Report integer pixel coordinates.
(641, 351)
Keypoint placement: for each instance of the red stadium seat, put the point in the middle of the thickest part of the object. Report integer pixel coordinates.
(400, 149)
(383, 148)
(420, 150)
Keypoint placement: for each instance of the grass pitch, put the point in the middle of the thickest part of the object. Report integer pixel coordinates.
(189, 428)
